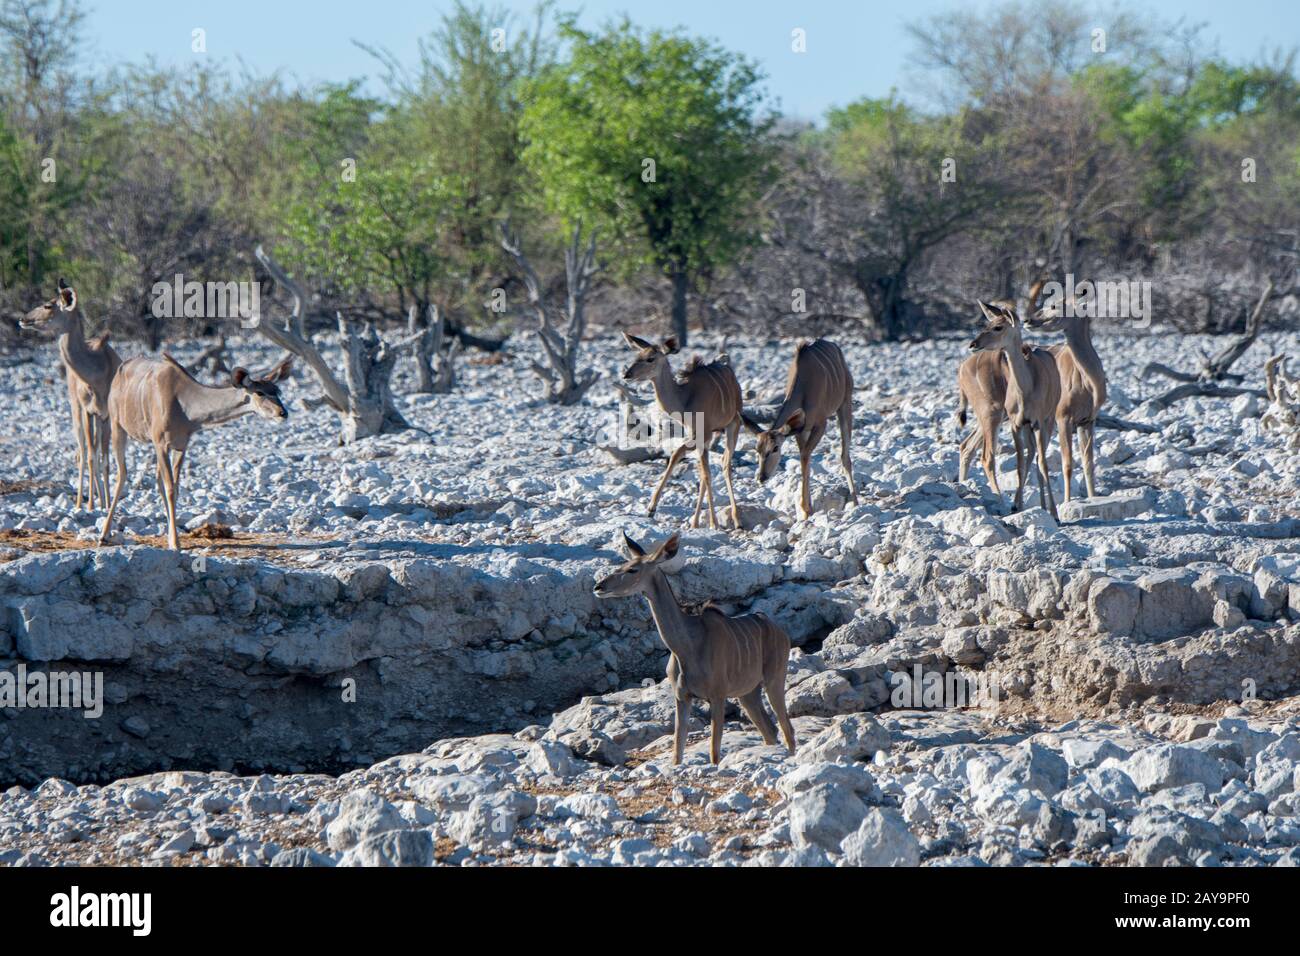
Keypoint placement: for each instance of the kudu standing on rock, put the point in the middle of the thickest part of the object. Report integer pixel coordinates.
(157, 401)
(1083, 388)
(704, 400)
(819, 385)
(89, 367)
(713, 657)
(982, 385)
(1033, 393)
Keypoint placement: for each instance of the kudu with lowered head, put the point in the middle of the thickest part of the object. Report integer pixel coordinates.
(818, 386)
(712, 657)
(156, 401)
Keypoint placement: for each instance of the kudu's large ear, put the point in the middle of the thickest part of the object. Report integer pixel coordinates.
(636, 342)
(280, 372)
(238, 375)
(631, 548)
(989, 311)
(670, 345)
(67, 297)
(751, 426)
(794, 423)
(667, 550)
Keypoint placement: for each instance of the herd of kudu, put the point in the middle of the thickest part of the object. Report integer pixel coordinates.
(713, 656)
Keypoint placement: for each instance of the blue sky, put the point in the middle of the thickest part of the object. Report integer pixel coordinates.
(855, 47)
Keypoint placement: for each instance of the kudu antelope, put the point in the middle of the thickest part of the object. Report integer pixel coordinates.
(1083, 389)
(89, 368)
(1033, 393)
(982, 385)
(704, 399)
(157, 401)
(818, 386)
(713, 657)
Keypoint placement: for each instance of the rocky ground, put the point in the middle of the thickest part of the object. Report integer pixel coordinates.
(1143, 650)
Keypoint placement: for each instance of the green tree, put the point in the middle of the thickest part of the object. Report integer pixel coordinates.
(658, 136)
(915, 182)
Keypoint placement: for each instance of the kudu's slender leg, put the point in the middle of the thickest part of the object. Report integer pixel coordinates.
(1041, 437)
(175, 496)
(119, 454)
(701, 465)
(752, 705)
(79, 434)
(774, 684)
(717, 718)
(94, 491)
(168, 492)
(988, 455)
(965, 452)
(681, 727)
(673, 459)
(706, 475)
(1066, 441)
(846, 441)
(733, 432)
(103, 431)
(1087, 437)
(1022, 465)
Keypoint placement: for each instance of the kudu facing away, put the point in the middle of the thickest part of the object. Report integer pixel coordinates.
(1083, 389)
(819, 385)
(1033, 393)
(89, 367)
(159, 402)
(704, 400)
(713, 657)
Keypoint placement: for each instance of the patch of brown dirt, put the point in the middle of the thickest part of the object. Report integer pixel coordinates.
(34, 485)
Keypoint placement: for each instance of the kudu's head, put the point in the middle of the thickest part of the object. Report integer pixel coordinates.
(770, 441)
(56, 316)
(649, 357)
(263, 390)
(1003, 330)
(635, 575)
(1058, 315)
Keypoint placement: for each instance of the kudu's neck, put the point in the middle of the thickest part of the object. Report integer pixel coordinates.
(669, 617)
(1079, 338)
(207, 405)
(670, 395)
(1021, 377)
(72, 344)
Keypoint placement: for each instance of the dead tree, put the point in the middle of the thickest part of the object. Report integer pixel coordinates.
(434, 363)
(1205, 383)
(560, 375)
(213, 359)
(1283, 390)
(363, 400)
